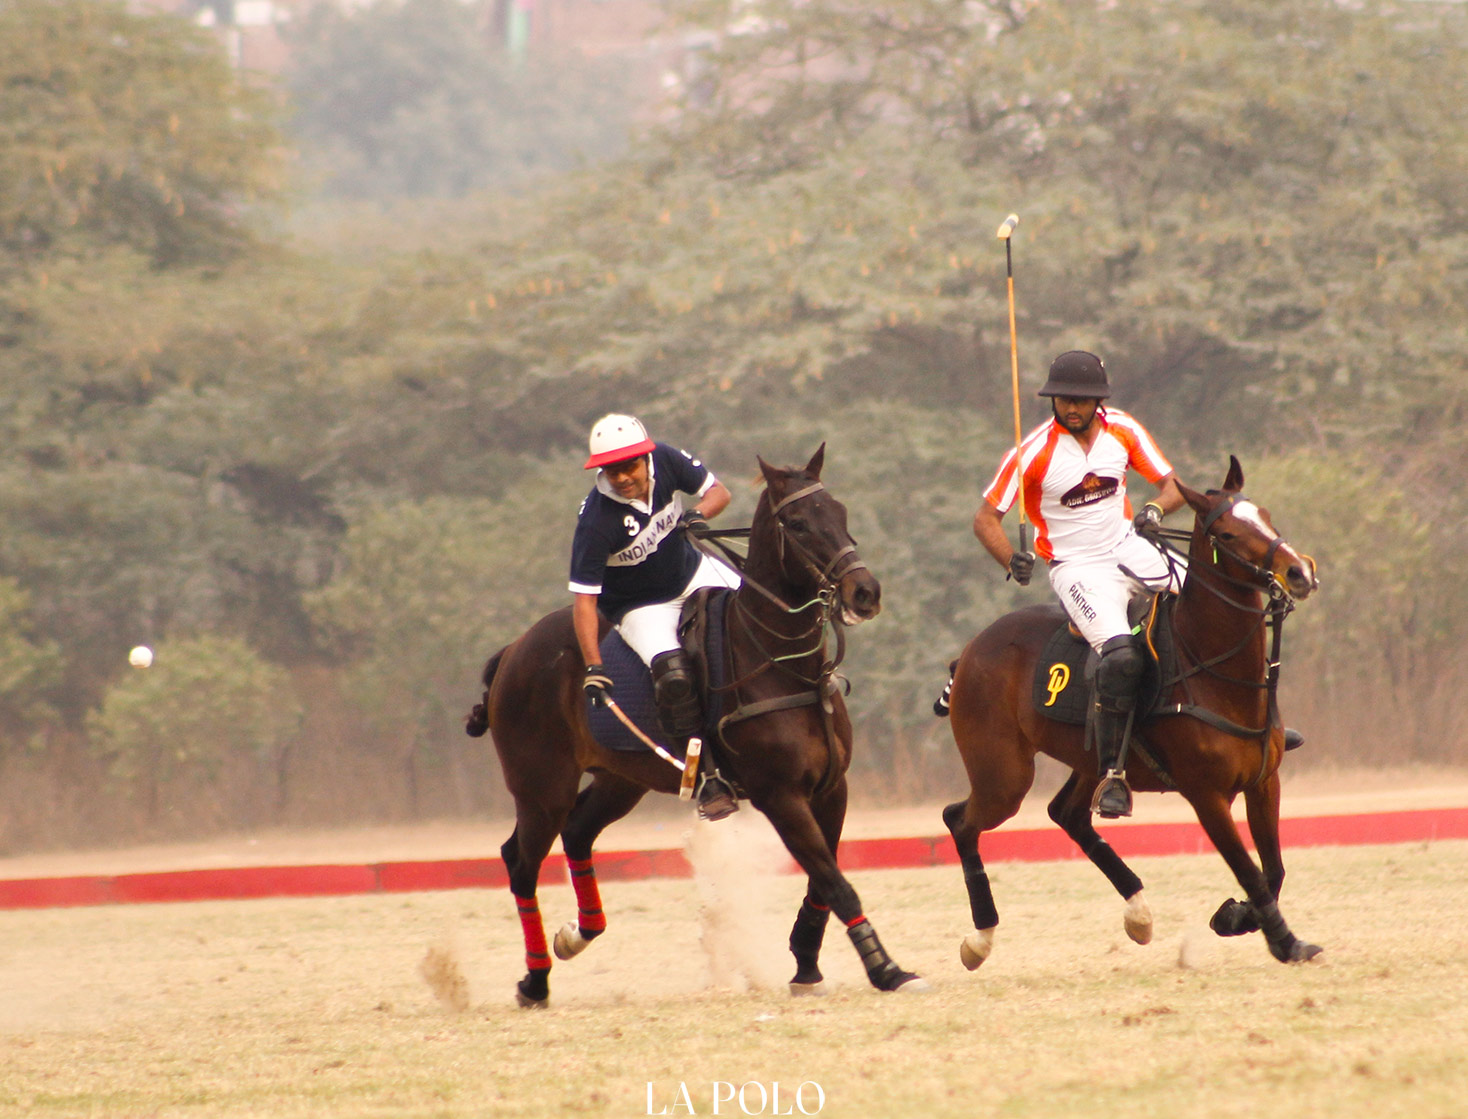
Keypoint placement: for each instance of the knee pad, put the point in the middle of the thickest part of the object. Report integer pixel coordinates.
(673, 691)
(1119, 674)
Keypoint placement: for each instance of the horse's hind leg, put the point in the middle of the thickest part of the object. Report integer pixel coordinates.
(607, 799)
(991, 801)
(1213, 814)
(974, 949)
(523, 854)
(1071, 810)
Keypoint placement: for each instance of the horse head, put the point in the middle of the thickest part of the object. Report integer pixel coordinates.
(1243, 532)
(815, 552)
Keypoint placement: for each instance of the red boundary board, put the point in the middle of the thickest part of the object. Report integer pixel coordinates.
(1023, 845)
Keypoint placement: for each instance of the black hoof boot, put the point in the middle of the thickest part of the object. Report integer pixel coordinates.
(1293, 739)
(1113, 797)
(1234, 918)
(716, 799)
(533, 992)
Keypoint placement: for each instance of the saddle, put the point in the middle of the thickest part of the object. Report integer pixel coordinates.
(701, 634)
(1066, 668)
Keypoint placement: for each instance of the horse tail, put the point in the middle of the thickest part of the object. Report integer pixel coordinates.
(478, 721)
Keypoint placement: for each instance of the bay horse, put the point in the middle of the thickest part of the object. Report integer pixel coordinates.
(786, 735)
(1221, 734)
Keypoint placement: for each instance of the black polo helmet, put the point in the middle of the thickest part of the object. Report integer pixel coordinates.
(1077, 373)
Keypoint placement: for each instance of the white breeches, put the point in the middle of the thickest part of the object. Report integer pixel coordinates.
(653, 629)
(1095, 591)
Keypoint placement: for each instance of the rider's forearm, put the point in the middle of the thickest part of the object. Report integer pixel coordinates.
(991, 535)
(714, 501)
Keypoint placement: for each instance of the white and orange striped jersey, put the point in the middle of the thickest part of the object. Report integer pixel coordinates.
(1075, 498)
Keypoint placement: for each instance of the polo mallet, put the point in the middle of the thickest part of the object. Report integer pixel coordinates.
(688, 768)
(1006, 232)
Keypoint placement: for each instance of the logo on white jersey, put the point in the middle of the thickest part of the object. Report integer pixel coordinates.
(1091, 489)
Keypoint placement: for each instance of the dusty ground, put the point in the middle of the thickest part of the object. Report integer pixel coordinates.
(664, 823)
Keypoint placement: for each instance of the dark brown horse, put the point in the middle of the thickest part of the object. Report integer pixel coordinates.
(786, 738)
(1222, 735)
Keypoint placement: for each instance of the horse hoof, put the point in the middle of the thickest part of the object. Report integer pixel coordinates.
(569, 942)
(1234, 918)
(974, 949)
(913, 984)
(1301, 952)
(1138, 919)
(809, 990)
(533, 992)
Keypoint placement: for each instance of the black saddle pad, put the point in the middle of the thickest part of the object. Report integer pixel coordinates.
(1061, 689)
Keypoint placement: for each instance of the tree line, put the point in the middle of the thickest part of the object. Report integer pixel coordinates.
(319, 443)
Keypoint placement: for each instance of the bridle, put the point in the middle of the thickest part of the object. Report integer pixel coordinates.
(1260, 578)
(826, 578)
(1263, 573)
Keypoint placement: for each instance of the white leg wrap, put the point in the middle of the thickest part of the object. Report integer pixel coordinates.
(1138, 919)
(974, 949)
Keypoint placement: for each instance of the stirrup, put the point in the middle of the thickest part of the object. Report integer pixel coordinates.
(1113, 796)
(716, 799)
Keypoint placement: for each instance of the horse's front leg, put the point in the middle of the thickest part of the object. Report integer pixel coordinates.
(1213, 814)
(809, 931)
(796, 825)
(607, 799)
(1262, 803)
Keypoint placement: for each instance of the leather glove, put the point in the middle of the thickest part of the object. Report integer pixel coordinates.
(1149, 517)
(693, 522)
(597, 685)
(1021, 567)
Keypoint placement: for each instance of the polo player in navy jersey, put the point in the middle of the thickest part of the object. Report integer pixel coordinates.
(632, 560)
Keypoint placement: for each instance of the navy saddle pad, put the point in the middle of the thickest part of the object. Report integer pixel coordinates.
(632, 690)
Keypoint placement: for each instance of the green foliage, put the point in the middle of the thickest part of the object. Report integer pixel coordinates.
(204, 701)
(30, 667)
(428, 589)
(361, 452)
(416, 99)
(125, 129)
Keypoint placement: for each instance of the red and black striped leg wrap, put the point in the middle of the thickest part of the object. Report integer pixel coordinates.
(536, 984)
(589, 916)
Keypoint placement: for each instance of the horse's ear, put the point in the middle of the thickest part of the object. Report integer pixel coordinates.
(773, 474)
(1198, 501)
(817, 460)
(1235, 480)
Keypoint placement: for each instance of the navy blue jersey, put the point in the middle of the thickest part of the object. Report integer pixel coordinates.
(628, 553)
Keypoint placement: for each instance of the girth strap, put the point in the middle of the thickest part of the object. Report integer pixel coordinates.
(765, 706)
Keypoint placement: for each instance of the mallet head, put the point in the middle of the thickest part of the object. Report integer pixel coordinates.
(1008, 227)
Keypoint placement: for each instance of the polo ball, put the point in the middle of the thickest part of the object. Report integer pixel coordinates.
(140, 657)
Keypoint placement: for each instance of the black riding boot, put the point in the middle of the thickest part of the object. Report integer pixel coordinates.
(1113, 795)
(681, 715)
(1118, 679)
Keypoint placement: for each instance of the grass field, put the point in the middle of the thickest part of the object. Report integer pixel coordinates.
(310, 1007)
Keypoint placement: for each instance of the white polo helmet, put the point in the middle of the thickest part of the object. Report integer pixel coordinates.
(616, 438)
